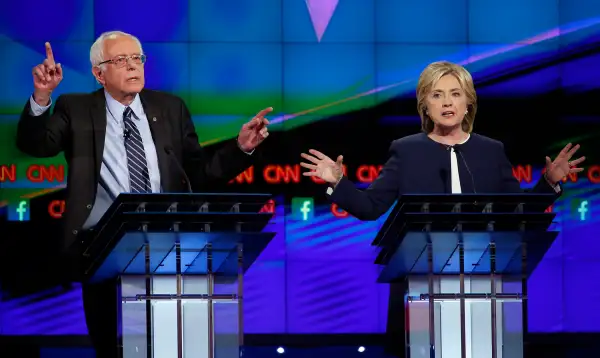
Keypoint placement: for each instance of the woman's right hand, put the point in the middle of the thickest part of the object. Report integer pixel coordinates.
(323, 167)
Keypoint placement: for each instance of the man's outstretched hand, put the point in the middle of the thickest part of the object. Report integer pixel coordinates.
(254, 132)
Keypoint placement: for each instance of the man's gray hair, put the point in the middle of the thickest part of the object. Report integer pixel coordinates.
(97, 50)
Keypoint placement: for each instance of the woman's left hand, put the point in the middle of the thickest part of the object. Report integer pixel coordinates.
(563, 165)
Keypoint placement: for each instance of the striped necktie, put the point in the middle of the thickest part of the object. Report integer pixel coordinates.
(139, 179)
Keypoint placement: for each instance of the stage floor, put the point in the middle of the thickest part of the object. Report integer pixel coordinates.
(249, 352)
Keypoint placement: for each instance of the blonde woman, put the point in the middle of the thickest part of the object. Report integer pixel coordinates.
(446, 157)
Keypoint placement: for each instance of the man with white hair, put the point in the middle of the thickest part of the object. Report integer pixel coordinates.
(119, 139)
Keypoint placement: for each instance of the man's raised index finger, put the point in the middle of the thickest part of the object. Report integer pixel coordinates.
(264, 112)
(49, 54)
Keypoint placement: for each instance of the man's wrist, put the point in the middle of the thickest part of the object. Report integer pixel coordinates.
(42, 98)
(242, 148)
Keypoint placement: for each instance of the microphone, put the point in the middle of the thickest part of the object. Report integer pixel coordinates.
(458, 150)
(169, 151)
(126, 133)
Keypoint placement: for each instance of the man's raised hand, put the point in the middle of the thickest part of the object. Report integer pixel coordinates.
(46, 77)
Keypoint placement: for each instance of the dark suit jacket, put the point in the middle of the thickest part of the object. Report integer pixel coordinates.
(77, 127)
(419, 165)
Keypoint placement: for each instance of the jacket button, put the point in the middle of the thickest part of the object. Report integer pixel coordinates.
(75, 232)
(89, 206)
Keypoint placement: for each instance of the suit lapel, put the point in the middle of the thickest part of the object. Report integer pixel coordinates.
(160, 133)
(98, 114)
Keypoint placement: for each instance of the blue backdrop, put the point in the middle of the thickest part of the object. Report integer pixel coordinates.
(312, 62)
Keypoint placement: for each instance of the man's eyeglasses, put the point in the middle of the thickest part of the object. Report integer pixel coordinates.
(121, 61)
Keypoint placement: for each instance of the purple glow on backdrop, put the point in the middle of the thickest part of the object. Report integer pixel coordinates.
(337, 297)
(321, 12)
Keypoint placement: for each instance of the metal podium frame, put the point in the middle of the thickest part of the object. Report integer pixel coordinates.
(446, 244)
(176, 258)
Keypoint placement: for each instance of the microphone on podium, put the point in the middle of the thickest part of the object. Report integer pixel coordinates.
(170, 153)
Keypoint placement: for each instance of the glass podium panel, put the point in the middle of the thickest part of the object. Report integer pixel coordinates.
(492, 323)
(196, 312)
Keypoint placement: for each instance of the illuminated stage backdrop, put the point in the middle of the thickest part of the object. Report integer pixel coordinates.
(341, 76)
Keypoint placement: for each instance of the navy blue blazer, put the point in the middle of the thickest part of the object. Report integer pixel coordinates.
(420, 165)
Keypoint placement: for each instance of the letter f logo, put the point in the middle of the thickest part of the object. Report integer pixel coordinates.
(19, 212)
(22, 209)
(583, 209)
(303, 209)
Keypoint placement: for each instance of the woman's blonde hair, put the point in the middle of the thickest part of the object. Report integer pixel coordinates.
(430, 76)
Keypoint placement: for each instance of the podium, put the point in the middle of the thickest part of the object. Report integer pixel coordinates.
(179, 262)
(465, 259)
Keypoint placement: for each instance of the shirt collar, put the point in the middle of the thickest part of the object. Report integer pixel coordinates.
(117, 108)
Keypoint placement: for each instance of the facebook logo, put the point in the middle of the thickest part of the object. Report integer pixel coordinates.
(583, 209)
(580, 209)
(19, 211)
(302, 209)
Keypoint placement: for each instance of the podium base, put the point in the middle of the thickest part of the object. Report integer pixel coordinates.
(202, 321)
(444, 321)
